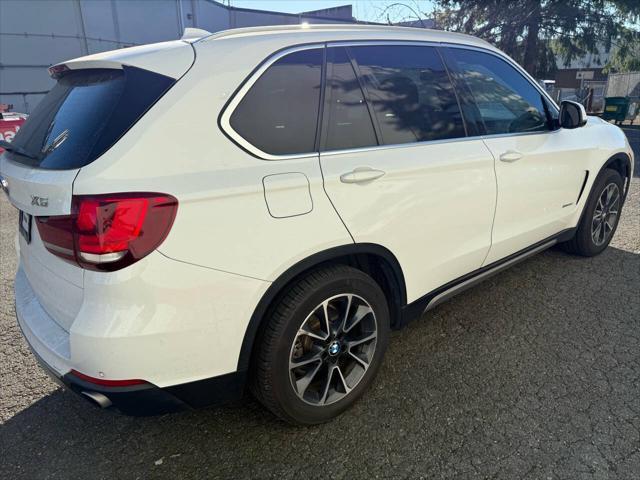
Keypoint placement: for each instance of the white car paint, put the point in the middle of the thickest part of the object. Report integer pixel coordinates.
(432, 209)
(181, 313)
(172, 59)
(539, 184)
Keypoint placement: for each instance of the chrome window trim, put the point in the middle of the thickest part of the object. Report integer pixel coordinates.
(395, 146)
(239, 95)
(225, 119)
(518, 134)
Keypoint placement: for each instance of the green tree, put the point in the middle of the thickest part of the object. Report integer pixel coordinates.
(534, 31)
(626, 53)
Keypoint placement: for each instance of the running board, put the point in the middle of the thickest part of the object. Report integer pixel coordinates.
(461, 287)
(416, 308)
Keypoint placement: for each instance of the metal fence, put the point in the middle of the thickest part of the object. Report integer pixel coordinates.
(623, 85)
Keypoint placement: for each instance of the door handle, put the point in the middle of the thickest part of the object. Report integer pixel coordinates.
(361, 175)
(510, 156)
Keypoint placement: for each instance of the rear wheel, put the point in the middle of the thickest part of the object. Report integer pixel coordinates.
(322, 346)
(601, 216)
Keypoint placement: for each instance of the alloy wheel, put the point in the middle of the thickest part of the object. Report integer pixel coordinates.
(605, 214)
(333, 349)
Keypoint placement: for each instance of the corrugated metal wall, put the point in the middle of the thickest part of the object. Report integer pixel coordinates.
(35, 34)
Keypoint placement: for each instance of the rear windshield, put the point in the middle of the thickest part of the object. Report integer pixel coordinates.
(84, 114)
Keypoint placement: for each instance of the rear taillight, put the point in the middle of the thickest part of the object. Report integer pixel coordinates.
(109, 232)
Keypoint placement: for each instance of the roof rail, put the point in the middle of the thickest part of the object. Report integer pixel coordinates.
(306, 26)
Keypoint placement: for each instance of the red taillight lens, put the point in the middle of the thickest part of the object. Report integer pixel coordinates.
(109, 232)
(57, 235)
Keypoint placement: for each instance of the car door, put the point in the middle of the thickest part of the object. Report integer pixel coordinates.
(397, 163)
(538, 166)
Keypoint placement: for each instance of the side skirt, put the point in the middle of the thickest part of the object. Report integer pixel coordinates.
(416, 308)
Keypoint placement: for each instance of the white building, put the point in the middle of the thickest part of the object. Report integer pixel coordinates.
(38, 33)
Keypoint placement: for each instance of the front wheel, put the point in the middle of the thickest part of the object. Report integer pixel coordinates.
(322, 346)
(601, 216)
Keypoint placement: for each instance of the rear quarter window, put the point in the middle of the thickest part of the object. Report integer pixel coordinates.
(84, 114)
(279, 114)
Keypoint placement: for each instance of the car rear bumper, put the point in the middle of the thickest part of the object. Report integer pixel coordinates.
(148, 399)
(184, 344)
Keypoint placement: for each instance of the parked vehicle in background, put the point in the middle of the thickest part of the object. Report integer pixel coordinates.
(10, 123)
(262, 206)
(548, 85)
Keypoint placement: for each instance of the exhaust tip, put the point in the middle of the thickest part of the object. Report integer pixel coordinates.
(98, 399)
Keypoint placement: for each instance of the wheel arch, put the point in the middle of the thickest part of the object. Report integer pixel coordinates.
(373, 259)
(621, 162)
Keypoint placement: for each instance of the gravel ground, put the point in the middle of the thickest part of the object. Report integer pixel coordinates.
(533, 374)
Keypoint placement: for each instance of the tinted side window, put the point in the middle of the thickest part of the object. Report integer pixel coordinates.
(347, 123)
(507, 101)
(279, 113)
(411, 93)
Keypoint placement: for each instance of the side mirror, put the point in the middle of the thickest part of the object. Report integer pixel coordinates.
(572, 115)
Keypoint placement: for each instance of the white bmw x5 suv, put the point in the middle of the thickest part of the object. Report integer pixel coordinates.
(260, 207)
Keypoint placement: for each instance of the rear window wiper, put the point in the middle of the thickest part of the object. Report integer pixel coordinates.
(15, 149)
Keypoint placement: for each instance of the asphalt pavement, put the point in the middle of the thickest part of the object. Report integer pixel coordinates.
(534, 374)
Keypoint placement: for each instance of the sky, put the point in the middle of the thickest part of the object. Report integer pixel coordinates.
(369, 10)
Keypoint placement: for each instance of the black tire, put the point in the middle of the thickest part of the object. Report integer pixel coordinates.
(273, 381)
(583, 243)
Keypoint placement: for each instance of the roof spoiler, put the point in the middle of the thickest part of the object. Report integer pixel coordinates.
(172, 59)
